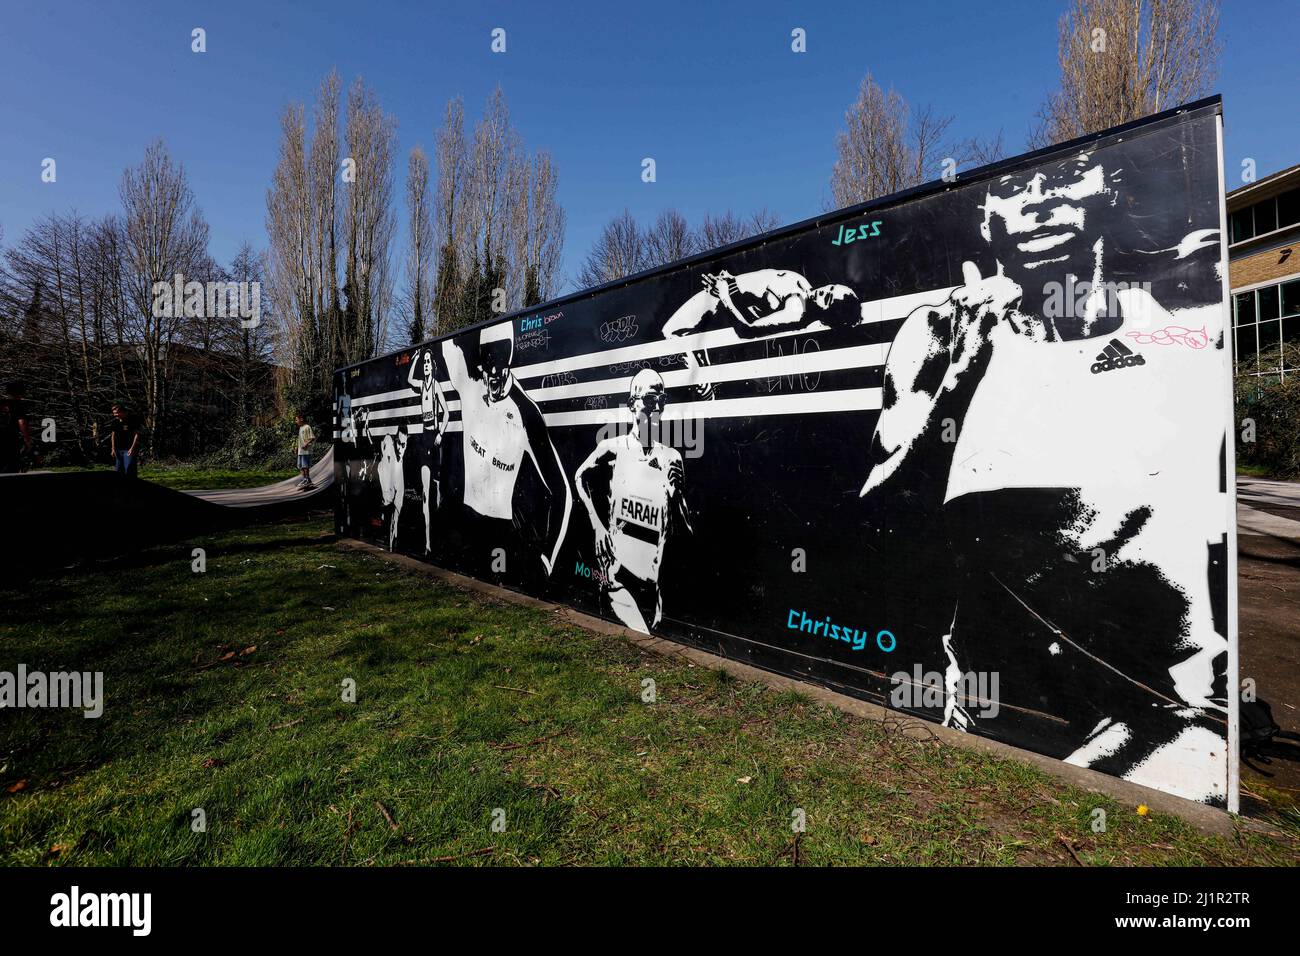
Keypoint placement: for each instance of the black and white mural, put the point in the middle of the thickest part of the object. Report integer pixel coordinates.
(961, 452)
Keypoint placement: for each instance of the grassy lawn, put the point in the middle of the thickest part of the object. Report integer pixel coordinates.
(191, 477)
(224, 692)
(1254, 471)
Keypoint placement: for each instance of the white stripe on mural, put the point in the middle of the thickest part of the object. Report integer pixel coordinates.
(412, 428)
(402, 411)
(775, 366)
(860, 356)
(394, 396)
(636, 353)
(901, 306)
(878, 310)
(841, 400)
(384, 397)
(838, 400)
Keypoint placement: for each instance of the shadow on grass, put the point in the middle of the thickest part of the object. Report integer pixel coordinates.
(156, 629)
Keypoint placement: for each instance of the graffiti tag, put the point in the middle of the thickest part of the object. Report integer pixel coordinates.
(1171, 334)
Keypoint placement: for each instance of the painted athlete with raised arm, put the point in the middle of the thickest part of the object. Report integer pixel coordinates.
(423, 377)
(642, 507)
(501, 427)
(1001, 424)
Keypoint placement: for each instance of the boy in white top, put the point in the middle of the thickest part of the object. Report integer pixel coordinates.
(305, 438)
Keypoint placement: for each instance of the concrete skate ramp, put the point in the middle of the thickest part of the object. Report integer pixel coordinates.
(279, 495)
(56, 520)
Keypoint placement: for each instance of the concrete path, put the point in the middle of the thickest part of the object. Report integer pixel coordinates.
(1270, 508)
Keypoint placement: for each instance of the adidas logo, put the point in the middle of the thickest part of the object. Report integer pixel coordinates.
(1116, 355)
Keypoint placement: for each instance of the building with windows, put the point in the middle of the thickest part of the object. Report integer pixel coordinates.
(1264, 273)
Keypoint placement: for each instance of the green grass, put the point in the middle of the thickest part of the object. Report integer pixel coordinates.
(192, 477)
(223, 692)
(1254, 471)
(187, 479)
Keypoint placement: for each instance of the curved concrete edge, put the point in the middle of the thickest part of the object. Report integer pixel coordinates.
(1206, 818)
(277, 493)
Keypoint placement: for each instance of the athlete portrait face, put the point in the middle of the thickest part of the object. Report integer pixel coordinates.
(646, 399)
(1049, 225)
(496, 352)
(428, 365)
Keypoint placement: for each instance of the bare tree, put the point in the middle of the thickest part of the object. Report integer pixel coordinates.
(293, 268)
(81, 347)
(323, 208)
(537, 232)
(371, 139)
(518, 212)
(727, 228)
(419, 248)
(495, 153)
(164, 235)
(981, 152)
(1124, 59)
(449, 215)
(886, 147)
(251, 344)
(50, 279)
(670, 238)
(481, 180)
(321, 190)
(765, 220)
(548, 223)
(497, 223)
(619, 251)
(624, 247)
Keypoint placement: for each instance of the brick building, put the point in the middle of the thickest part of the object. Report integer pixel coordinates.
(1264, 273)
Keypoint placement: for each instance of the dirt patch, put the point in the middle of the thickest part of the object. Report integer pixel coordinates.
(1269, 619)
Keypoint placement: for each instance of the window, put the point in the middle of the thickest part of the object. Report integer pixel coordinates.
(1247, 348)
(1245, 303)
(1288, 208)
(1270, 346)
(1243, 224)
(1291, 297)
(1268, 307)
(1267, 327)
(1291, 331)
(1265, 216)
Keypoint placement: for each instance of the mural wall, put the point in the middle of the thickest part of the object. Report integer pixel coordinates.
(961, 452)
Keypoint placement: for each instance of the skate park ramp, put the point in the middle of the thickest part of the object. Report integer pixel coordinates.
(278, 495)
(61, 519)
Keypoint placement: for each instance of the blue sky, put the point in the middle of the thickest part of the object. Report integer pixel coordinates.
(712, 91)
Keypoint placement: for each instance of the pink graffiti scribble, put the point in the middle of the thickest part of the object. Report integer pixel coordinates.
(1192, 338)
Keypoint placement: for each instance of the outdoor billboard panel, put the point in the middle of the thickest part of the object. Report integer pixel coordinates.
(962, 451)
